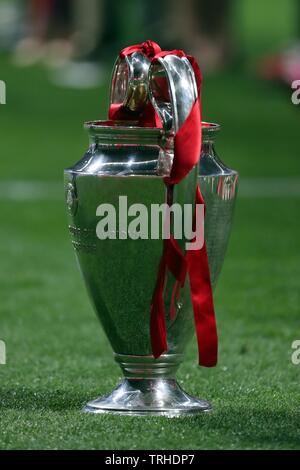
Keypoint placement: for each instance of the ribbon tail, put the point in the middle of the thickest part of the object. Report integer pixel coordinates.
(203, 304)
(202, 299)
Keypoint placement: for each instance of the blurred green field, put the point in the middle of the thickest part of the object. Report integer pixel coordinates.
(57, 355)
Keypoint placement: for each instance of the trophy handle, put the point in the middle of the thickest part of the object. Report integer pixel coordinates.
(129, 84)
(172, 90)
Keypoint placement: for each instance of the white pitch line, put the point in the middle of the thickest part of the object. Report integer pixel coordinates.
(25, 190)
(269, 187)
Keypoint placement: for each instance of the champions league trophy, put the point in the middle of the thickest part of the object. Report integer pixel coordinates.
(133, 159)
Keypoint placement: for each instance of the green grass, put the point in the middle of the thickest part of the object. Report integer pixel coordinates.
(57, 356)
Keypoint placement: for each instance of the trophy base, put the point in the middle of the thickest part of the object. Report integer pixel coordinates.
(148, 397)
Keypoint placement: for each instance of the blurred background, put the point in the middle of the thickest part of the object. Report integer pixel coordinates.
(57, 55)
(56, 58)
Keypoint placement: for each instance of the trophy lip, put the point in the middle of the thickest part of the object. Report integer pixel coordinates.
(122, 128)
(111, 126)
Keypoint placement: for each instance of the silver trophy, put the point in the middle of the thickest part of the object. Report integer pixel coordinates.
(120, 272)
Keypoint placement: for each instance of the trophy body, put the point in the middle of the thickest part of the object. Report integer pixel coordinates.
(120, 272)
(219, 185)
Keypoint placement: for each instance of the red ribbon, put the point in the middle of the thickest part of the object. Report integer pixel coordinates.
(202, 299)
(173, 260)
(149, 48)
(187, 151)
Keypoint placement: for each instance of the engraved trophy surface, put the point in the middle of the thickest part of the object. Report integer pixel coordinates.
(120, 272)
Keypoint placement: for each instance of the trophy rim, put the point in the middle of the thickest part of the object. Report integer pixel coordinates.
(110, 126)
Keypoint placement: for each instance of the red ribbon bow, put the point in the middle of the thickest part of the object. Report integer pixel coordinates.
(187, 151)
(149, 48)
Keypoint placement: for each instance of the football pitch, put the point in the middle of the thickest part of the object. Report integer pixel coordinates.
(57, 355)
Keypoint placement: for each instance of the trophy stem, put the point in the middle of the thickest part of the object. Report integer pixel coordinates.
(149, 388)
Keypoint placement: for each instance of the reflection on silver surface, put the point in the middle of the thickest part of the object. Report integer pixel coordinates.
(120, 275)
(130, 82)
